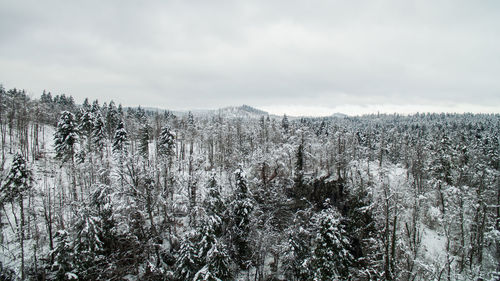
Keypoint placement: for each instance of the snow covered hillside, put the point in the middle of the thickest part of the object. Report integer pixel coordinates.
(98, 192)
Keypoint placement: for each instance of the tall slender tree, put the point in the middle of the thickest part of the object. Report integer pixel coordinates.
(19, 181)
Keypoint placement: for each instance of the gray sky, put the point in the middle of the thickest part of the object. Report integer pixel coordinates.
(295, 57)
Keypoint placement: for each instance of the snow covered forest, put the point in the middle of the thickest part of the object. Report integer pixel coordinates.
(100, 192)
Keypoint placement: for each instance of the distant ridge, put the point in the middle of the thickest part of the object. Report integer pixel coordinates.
(339, 115)
(242, 111)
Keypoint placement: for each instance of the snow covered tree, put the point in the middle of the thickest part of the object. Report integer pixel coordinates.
(19, 181)
(203, 256)
(241, 208)
(190, 119)
(112, 118)
(166, 142)
(298, 187)
(86, 104)
(94, 235)
(217, 264)
(120, 142)
(87, 244)
(63, 266)
(331, 256)
(144, 136)
(297, 260)
(66, 136)
(121, 138)
(98, 134)
(187, 262)
(285, 124)
(214, 205)
(96, 108)
(86, 124)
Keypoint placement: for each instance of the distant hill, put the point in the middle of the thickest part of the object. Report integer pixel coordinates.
(244, 111)
(339, 115)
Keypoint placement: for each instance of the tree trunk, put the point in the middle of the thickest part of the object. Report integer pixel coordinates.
(21, 235)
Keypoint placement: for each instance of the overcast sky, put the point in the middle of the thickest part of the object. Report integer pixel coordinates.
(295, 57)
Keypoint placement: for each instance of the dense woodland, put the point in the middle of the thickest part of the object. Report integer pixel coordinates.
(100, 192)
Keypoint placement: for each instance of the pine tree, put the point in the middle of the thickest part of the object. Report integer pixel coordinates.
(190, 120)
(297, 261)
(212, 255)
(298, 187)
(121, 138)
(86, 126)
(144, 136)
(120, 112)
(86, 105)
(214, 205)
(46, 97)
(98, 134)
(66, 136)
(187, 262)
(96, 108)
(217, 265)
(285, 124)
(95, 235)
(63, 266)
(112, 118)
(331, 256)
(87, 244)
(19, 181)
(166, 142)
(203, 256)
(241, 209)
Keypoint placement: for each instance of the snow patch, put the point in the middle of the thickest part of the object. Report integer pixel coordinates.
(434, 245)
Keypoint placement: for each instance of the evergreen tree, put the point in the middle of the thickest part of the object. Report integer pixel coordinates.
(190, 120)
(217, 264)
(112, 118)
(66, 136)
(19, 181)
(297, 261)
(46, 97)
(96, 108)
(299, 190)
(98, 134)
(203, 256)
(213, 203)
(120, 112)
(86, 126)
(187, 262)
(285, 124)
(63, 266)
(95, 235)
(166, 142)
(86, 105)
(241, 209)
(331, 256)
(121, 138)
(144, 136)
(88, 247)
